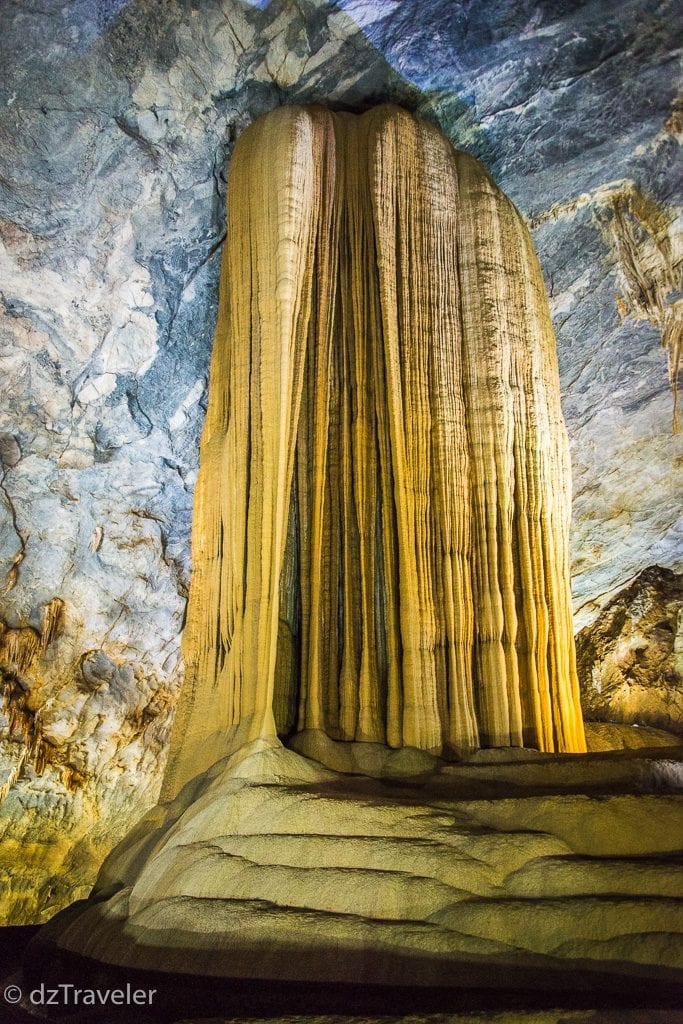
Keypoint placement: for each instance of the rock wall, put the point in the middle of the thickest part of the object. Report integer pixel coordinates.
(630, 659)
(117, 121)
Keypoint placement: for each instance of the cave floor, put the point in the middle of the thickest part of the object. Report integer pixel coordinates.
(539, 889)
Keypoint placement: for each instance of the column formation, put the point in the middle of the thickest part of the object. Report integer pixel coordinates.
(380, 537)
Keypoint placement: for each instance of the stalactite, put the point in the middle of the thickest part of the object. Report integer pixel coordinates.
(381, 517)
(53, 622)
(18, 648)
(21, 650)
(672, 343)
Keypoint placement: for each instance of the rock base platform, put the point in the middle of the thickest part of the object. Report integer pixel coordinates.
(514, 879)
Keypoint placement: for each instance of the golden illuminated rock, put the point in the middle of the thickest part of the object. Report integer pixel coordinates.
(381, 517)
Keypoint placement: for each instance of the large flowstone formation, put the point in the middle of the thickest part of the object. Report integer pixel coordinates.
(381, 521)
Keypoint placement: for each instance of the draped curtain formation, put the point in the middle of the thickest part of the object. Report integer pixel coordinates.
(380, 537)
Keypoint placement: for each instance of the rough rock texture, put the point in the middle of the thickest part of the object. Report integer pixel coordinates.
(382, 509)
(271, 866)
(631, 659)
(117, 122)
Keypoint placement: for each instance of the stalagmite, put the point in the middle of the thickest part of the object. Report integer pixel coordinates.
(381, 517)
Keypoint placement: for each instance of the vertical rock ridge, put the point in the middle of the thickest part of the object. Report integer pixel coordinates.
(382, 511)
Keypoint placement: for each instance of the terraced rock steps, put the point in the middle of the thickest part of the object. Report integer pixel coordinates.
(557, 872)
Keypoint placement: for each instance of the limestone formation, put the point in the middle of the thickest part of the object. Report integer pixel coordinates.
(382, 509)
(118, 120)
(630, 660)
(650, 251)
(544, 871)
